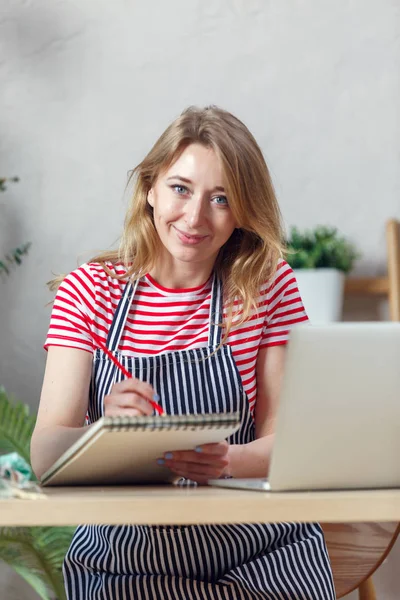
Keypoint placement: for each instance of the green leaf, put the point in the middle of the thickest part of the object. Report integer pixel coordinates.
(37, 554)
(16, 426)
(3, 268)
(14, 258)
(4, 180)
(32, 578)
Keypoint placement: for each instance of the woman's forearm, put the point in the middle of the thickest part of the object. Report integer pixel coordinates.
(252, 459)
(49, 443)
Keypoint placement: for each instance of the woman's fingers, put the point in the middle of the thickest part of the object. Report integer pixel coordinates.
(211, 463)
(208, 453)
(116, 404)
(134, 385)
(215, 449)
(204, 469)
(116, 411)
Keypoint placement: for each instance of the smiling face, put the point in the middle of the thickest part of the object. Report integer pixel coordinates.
(191, 215)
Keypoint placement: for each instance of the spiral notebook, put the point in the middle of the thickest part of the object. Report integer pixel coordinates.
(124, 450)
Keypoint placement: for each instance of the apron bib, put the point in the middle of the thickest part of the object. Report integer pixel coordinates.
(244, 561)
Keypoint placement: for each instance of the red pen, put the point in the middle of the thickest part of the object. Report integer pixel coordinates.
(121, 367)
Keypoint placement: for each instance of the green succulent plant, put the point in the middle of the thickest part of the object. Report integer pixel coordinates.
(35, 553)
(322, 247)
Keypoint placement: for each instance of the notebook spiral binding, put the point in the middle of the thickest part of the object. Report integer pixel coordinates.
(168, 422)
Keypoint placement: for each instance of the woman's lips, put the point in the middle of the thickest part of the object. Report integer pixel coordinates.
(188, 238)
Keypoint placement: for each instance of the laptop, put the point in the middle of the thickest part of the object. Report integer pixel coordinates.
(338, 422)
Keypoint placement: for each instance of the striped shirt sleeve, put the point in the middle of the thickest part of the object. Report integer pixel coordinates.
(73, 311)
(284, 307)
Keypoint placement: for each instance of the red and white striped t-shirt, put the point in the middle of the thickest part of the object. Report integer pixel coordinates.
(164, 320)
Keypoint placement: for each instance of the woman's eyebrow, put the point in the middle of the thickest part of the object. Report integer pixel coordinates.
(217, 188)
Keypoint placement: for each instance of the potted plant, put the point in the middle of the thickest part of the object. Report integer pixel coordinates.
(35, 553)
(321, 258)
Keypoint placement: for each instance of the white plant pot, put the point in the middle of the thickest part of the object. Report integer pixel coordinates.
(322, 293)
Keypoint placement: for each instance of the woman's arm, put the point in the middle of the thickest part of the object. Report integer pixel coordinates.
(64, 402)
(63, 405)
(253, 459)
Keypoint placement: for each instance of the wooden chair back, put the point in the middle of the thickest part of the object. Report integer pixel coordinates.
(356, 550)
(393, 260)
(388, 285)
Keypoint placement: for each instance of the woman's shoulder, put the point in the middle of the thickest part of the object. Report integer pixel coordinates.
(100, 270)
(281, 277)
(107, 270)
(92, 276)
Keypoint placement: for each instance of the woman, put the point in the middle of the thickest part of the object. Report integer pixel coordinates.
(198, 304)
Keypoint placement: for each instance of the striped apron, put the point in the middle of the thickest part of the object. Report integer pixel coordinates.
(285, 561)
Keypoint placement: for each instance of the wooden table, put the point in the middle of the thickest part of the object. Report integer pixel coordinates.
(169, 505)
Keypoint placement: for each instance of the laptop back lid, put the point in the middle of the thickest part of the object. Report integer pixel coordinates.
(338, 422)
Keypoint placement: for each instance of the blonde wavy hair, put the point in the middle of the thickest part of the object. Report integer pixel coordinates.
(250, 256)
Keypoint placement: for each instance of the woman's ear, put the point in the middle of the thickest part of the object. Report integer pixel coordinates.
(150, 197)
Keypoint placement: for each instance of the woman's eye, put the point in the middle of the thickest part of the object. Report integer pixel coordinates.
(221, 200)
(180, 189)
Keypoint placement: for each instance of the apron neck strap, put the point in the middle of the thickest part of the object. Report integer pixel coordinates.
(124, 305)
(216, 313)
(121, 314)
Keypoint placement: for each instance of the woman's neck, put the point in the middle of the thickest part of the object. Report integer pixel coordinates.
(180, 279)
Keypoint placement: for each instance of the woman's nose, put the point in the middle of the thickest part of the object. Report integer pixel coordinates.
(196, 212)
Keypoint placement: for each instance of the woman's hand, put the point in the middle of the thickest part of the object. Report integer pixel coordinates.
(209, 461)
(129, 398)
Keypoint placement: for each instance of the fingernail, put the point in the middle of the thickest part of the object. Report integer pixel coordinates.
(168, 455)
(160, 461)
(156, 397)
(198, 449)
